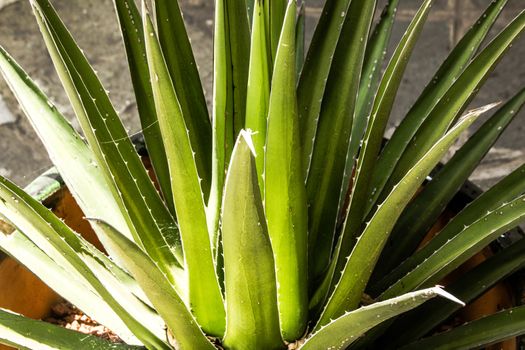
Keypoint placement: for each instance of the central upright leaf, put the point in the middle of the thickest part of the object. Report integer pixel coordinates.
(231, 47)
(285, 193)
(252, 318)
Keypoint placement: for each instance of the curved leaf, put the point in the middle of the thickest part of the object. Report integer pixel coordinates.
(487, 330)
(159, 290)
(457, 250)
(445, 76)
(423, 212)
(63, 281)
(361, 261)
(474, 283)
(370, 147)
(204, 291)
(507, 189)
(343, 331)
(65, 247)
(456, 98)
(72, 157)
(115, 154)
(19, 331)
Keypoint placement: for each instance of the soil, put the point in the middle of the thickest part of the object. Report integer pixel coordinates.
(68, 316)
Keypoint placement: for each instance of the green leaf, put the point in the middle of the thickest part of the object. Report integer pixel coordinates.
(45, 185)
(66, 248)
(464, 245)
(177, 52)
(258, 94)
(285, 194)
(154, 228)
(222, 118)
(22, 332)
(423, 212)
(370, 148)
(159, 290)
(204, 292)
(300, 40)
(120, 283)
(472, 284)
(507, 189)
(314, 75)
(250, 5)
(133, 37)
(487, 330)
(343, 331)
(20, 245)
(230, 81)
(63, 281)
(238, 33)
(370, 75)
(361, 261)
(72, 157)
(274, 15)
(328, 162)
(457, 98)
(373, 138)
(251, 293)
(445, 76)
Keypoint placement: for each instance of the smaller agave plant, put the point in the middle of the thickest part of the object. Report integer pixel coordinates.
(283, 220)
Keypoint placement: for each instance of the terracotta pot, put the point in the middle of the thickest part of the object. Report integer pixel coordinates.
(21, 291)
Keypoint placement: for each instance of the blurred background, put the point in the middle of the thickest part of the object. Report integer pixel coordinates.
(93, 23)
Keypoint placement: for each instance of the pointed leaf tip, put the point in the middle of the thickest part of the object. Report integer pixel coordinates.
(443, 293)
(246, 135)
(480, 110)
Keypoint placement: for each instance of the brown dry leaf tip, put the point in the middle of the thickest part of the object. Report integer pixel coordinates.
(68, 316)
(216, 342)
(5, 228)
(63, 309)
(297, 344)
(367, 299)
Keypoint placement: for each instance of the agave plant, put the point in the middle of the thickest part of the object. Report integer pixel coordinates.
(284, 219)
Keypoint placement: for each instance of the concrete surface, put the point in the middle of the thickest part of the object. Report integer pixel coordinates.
(94, 25)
